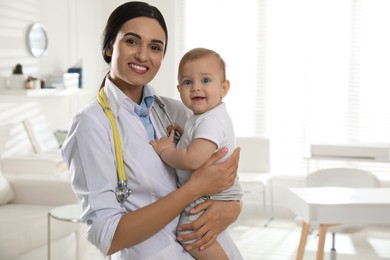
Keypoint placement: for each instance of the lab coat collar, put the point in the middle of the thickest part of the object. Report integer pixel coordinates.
(116, 98)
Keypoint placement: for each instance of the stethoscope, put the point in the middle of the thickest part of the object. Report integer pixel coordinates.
(122, 192)
(162, 107)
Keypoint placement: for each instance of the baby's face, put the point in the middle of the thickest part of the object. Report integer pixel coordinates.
(201, 84)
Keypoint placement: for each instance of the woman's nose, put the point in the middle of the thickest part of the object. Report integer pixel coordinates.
(141, 54)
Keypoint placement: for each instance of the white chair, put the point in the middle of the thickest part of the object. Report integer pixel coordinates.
(254, 168)
(336, 177)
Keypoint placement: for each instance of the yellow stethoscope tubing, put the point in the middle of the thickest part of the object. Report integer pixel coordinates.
(117, 140)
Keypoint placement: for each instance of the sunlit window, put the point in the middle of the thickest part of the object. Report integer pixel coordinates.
(301, 71)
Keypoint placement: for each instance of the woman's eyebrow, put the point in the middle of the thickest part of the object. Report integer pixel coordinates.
(139, 37)
(133, 34)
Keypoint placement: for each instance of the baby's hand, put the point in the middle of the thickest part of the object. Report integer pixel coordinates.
(176, 128)
(164, 143)
(178, 132)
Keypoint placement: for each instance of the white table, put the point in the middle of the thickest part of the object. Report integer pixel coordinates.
(329, 206)
(67, 213)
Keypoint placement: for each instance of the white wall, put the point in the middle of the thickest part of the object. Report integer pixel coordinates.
(76, 37)
(74, 31)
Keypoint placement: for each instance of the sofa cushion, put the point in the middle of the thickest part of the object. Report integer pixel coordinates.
(6, 193)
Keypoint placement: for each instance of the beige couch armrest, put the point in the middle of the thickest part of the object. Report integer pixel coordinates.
(41, 189)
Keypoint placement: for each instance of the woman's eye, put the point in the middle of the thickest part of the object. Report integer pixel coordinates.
(205, 80)
(156, 48)
(131, 41)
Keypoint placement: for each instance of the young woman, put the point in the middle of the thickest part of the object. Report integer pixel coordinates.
(141, 225)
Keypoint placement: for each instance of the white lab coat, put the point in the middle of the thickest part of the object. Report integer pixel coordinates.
(89, 153)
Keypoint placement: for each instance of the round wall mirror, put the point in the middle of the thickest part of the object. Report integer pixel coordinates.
(37, 40)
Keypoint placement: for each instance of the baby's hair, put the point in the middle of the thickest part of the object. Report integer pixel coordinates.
(198, 53)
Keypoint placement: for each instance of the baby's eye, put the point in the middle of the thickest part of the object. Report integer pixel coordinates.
(187, 82)
(205, 80)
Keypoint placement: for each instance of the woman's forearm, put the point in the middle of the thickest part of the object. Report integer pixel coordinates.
(137, 226)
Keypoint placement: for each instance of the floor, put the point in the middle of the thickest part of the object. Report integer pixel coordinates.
(279, 241)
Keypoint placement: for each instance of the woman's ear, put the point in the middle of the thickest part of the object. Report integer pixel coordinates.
(225, 88)
(109, 51)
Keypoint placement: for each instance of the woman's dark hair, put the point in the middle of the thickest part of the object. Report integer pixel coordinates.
(124, 13)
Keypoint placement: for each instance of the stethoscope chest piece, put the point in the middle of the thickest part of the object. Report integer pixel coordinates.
(122, 192)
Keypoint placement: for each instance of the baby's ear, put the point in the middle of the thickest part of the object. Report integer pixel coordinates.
(225, 87)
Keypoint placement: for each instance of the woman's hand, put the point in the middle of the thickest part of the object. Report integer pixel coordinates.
(217, 216)
(212, 177)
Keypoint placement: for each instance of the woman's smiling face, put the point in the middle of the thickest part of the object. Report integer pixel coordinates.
(137, 53)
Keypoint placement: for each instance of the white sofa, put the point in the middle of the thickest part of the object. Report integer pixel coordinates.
(25, 201)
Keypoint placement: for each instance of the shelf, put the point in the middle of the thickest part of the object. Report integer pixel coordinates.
(39, 92)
